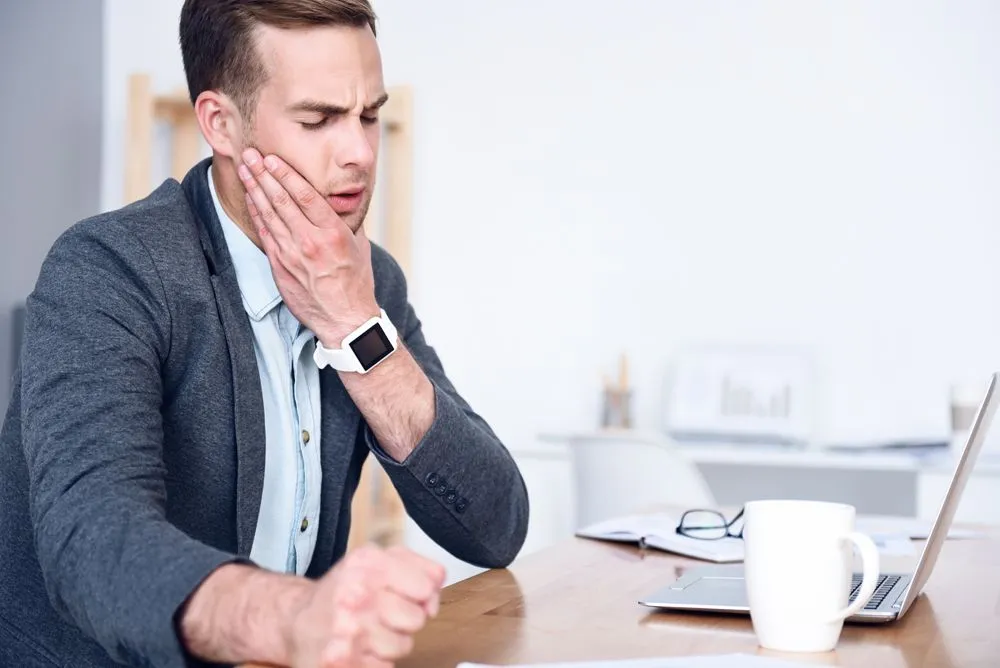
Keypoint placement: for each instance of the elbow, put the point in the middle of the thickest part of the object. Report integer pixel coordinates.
(509, 531)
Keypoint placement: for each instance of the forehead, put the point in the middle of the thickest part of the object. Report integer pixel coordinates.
(333, 64)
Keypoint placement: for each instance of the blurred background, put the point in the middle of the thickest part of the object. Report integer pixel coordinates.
(759, 237)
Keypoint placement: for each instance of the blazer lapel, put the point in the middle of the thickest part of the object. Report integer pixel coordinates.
(248, 401)
(342, 454)
(248, 409)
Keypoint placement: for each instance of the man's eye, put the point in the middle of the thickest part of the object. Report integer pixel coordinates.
(314, 126)
(369, 120)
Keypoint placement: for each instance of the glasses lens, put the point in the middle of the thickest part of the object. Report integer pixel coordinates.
(703, 524)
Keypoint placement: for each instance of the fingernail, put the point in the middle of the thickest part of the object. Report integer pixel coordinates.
(270, 162)
(243, 172)
(250, 156)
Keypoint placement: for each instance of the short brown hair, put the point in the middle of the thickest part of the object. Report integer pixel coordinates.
(218, 45)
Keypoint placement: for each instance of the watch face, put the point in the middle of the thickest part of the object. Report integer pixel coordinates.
(371, 347)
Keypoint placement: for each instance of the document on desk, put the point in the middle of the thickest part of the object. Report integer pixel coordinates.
(660, 531)
(704, 661)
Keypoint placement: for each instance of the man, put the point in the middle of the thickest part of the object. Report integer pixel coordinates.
(188, 424)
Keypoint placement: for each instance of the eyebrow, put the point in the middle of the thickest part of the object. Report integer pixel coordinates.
(326, 109)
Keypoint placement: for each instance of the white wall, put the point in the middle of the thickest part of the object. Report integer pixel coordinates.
(599, 177)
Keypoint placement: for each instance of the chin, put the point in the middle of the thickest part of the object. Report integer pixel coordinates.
(358, 218)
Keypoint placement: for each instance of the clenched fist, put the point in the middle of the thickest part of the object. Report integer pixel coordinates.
(366, 610)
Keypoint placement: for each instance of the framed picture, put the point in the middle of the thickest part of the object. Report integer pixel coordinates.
(741, 394)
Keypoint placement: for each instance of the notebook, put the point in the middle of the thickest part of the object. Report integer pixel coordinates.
(659, 531)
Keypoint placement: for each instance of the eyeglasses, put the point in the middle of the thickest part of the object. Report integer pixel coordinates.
(709, 525)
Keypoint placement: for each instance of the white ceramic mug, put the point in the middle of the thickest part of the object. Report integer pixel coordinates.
(798, 564)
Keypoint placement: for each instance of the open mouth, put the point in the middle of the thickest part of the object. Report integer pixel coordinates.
(346, 201)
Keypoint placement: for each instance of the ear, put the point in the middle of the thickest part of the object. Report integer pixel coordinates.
(220, 122)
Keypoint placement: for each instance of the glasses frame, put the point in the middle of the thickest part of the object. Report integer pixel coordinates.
(725, 524)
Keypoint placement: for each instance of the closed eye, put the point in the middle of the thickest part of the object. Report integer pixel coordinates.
(315, 126)
(366, 119)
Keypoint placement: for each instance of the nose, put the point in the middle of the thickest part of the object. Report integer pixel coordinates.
(354, 147)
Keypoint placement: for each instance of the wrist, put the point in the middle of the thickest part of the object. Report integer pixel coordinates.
(284, 616)
(243, 614)
(333, 334)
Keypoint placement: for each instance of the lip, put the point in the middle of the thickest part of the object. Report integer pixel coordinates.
(347, 200)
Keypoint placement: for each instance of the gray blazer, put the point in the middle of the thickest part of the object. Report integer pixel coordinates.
(132, 454)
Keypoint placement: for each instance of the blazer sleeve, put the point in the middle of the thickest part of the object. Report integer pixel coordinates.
(460, 484)
(97, 329)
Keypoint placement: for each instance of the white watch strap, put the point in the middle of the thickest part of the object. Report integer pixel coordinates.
(343, 358)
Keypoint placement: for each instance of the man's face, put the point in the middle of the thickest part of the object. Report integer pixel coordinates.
(318, 111)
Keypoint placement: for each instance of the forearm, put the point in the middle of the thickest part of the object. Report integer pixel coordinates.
(396, 400)
(242, 614)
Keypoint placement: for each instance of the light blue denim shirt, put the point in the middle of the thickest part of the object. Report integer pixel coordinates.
(289, 380)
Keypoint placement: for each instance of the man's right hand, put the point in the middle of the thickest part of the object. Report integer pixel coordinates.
(363, 612)
(366, 610)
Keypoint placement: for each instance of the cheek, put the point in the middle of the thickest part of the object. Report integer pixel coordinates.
(306, 152)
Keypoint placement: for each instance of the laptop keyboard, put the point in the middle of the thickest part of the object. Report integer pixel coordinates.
(882, 589)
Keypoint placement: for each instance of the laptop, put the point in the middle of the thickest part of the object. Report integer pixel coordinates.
(720, 588)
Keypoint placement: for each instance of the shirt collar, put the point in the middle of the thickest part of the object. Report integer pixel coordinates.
(253, 270)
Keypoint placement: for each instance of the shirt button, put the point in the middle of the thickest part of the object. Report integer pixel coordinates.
(305, 436)
(305, 524)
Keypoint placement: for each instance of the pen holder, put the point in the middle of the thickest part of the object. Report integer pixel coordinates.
(617, 409)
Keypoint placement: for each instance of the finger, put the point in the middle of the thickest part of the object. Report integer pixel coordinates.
(258, 224)
(404, 576)
(302, 193)
(375, 662)
(268, 243)
(387, 644)
(266, 214)
(341, 653)
(277, 197)
(400, 614)
(434, 569)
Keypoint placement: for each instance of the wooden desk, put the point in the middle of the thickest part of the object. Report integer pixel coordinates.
(576, 601)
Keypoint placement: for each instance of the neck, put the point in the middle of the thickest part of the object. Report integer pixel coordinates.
(230, 192)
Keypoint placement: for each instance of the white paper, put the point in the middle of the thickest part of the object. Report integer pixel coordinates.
(703, 661)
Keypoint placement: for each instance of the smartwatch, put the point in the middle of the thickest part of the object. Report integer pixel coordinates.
(361, 350)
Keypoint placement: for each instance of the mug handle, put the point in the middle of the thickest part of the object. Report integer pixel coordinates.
(869, 574)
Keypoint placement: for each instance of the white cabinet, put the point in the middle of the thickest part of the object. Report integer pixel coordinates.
(980, 502)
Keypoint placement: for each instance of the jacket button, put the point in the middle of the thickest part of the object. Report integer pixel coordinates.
(461, 505)
(451, 496)
(432, 479)
(441, 489)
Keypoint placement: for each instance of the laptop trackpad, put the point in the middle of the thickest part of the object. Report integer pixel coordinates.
(707, 589)
(727, 591)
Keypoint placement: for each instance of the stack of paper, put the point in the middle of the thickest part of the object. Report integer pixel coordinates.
(660, 531)
(704, 661)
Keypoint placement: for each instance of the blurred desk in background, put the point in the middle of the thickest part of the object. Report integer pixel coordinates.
(876, 482)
